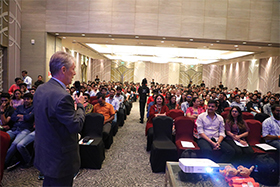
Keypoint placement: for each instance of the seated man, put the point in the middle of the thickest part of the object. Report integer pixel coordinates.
(107, 110)
(237, 102)
(113, 101)
(6, 112)
(24, 119)
(267, 107)
(211, 134)
(223, 103)
(254, 106)
(271, 128)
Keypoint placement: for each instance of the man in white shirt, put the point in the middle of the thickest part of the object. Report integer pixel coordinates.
(211, 133)
(238, 103)
(113, 101)
(271, 128)
(26, 79)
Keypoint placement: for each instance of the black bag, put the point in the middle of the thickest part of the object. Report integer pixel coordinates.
(266, 170)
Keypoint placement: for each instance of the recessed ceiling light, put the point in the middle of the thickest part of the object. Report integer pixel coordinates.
(137, 37)
(235, 45)
(83, 35)
(218, 41)
(162, 41)
(211, 44)
(191, 39)
(112, 39)
(244, 43)
(64, 37)
(56, 33)
(205, 46)
(237, 48)
(260, 47)
(269, 44)
(163, 38)
(110, 35)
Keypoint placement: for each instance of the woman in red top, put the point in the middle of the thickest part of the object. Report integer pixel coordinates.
(158, 109)
(193, 112)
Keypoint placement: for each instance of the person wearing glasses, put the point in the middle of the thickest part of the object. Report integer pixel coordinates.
(267, 107)
(6, 112)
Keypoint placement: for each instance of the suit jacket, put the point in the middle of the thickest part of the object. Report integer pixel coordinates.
(56, 132)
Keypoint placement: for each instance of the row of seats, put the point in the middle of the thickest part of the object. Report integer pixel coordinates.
(164, 149)
(93, 155)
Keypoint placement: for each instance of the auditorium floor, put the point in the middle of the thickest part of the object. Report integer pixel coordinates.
(126, 163)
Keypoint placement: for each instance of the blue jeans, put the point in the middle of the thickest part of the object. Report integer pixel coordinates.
(21, 146)
(16, 136)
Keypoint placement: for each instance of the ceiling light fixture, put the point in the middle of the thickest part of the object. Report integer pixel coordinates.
(244, 43)
(83, 35)
(218, 41)
(235, 45)
(162, 41)
(136, 37)
(56, 33)
(191, 39)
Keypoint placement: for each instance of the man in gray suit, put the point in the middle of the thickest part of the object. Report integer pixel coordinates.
(57, 124)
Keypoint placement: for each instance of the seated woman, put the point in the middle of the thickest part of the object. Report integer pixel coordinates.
(158, 109)
(172, 103)
(237, 130)
(17, 99)
(193, 112)
(87, 105)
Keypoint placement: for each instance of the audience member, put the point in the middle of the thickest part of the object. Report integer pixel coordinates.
(238, 103)
(237, 130)
(23, 88)
(26, 79)
(6, 112)
(211, 134)
(114, 102)
(15, 86)
(39, 81)
(23, 118)
(222, 103)
(88, 107)
(158, 109)
(271, 128)
(267, 107)
(17, 99)
(107, 110)
(186, 103)
(253, 105)
(172, 103)
(193, 113)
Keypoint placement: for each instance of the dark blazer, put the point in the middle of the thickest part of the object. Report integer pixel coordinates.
(56, 133)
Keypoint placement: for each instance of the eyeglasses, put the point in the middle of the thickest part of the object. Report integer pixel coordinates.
(234, 111)
(189, 97)
(4, 100)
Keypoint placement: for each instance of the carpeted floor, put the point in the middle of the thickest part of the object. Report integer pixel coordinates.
(126, 163)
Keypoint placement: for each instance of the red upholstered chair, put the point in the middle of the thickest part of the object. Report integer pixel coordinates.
(227, 109)
(247, 115)
(184, 132)
(225, 114)
(4, 143)
(174, 113)
(255, 133)
(92, 98)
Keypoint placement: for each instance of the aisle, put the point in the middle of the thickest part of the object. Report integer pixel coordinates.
(126, 163)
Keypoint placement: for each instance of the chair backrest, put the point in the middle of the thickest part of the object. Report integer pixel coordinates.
(174, 113)
(93, 125)
(247, 115)
(224, 114)
(92, 98)
(227, 109)
(162, 126)
(261, 117)
(184, 128)
(254, 136)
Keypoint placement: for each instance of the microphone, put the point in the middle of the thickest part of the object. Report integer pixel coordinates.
(77, 85)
